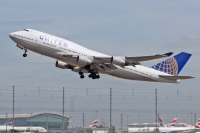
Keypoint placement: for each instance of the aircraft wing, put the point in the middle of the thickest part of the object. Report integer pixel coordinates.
(132, 60)
(151, 57)
(108, 59)
(175, 77)
(108, 63)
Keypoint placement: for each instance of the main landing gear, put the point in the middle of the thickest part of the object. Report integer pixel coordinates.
(81, 75)
(24, 55)
(94, 75)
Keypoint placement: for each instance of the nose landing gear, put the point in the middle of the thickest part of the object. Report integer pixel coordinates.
(24, 55)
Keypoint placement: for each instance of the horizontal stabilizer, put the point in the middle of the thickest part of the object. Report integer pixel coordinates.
(175, 77)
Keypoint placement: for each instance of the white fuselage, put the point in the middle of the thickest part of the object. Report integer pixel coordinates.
(22, 129)
(161, 129)
(54, 47)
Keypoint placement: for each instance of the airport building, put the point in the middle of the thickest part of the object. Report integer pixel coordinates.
(50, 121)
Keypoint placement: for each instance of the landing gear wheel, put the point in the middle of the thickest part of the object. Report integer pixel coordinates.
(97, 76)
(24, 55)
(90, 76)
(80, 73)
(93, 75)
(82, 76)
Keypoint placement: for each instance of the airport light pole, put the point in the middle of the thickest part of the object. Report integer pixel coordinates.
(195, 122)
(110, 108)
(96, 114)
(47, 122)
(158, 121)
(127, 119)
(83, 121)
(156, 108)
(63, 109)
(191, 120)
(121, 122)
(6, 121)
(13, 106)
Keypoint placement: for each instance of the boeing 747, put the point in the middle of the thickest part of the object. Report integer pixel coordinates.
(79, 59)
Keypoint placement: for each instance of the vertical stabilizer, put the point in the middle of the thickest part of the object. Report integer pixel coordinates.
(173, 122)
(94, 124)
(174, 64)
(160, 121)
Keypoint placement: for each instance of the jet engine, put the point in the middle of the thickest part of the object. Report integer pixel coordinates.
(82, 60)
(62, 65)
(118, 61)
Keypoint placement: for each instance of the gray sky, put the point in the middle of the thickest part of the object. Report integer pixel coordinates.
(130, 28)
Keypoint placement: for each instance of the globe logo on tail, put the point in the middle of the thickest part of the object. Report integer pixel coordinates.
(169, 66)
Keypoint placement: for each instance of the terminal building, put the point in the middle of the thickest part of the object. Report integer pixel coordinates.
(50, 121)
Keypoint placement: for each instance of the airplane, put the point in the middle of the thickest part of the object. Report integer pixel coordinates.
(160, 122)
(94, 124)
(22, 129)
(163, 129)
(183, 125)
(171, 124)
(79, 59)
(9, 122)
(166, 129)
(197, 124)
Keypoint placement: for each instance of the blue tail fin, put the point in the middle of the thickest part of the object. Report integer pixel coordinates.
(174, 64)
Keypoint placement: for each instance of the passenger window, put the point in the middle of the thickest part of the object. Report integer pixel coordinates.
(26, 30)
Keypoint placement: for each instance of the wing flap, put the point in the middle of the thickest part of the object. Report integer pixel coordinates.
(175, 77)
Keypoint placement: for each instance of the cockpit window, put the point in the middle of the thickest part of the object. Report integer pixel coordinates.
(26, 30)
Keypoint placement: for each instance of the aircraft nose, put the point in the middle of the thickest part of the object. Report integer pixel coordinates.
(11, 35)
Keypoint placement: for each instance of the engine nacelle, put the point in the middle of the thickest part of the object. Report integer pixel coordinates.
(82, 60)
(62, 65)
(118, 61)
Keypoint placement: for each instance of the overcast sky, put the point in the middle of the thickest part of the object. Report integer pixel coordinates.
(129, 28)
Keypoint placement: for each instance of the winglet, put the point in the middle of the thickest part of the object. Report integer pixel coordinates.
(169, 54)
